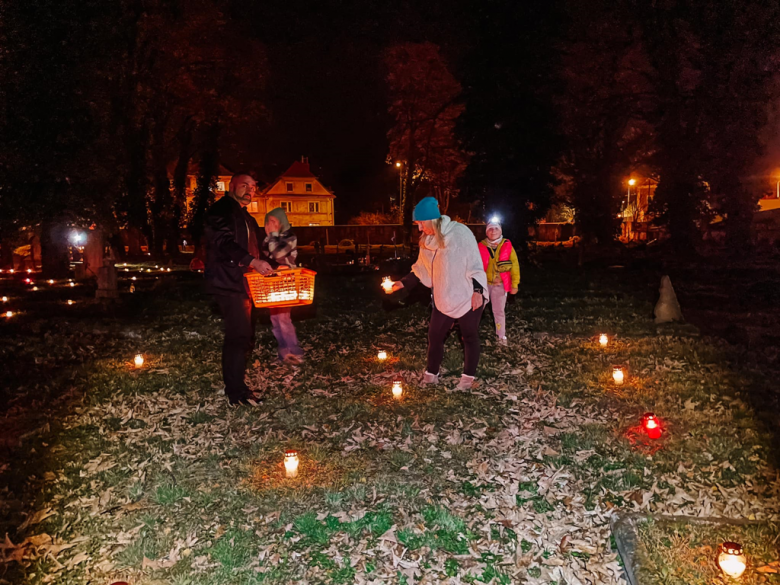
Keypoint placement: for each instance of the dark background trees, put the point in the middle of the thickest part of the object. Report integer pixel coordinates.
(522, 105)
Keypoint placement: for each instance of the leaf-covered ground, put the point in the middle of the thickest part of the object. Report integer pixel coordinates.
(148, 476)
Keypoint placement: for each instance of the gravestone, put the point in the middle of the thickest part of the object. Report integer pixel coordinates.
(667, 309)
(107, 281)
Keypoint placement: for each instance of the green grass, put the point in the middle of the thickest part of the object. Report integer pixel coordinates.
(456, 482)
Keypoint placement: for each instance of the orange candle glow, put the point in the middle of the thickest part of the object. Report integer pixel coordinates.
(138, 361)
(603, 340)
(398, 389)
(618, 375)
(381, 356)
(291, 463)
(732, 560)
(387, 284)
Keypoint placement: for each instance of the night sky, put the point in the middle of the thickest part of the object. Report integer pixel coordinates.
(326, 88)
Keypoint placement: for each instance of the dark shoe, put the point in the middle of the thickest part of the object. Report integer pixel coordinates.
(246, 401)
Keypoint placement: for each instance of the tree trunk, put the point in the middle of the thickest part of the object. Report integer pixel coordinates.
(204, 196)
(179, 202)
(54, 249)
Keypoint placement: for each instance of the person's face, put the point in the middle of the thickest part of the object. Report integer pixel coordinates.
(493, 233)
(245, 188)
(426, 227)
(272, 224)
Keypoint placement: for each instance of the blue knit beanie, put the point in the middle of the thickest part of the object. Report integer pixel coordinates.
(427, 208)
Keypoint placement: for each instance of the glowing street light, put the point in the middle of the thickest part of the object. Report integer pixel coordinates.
(632, 182)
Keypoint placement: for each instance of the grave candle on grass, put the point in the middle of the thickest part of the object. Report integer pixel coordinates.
(70, 302)
(138, 361)
(387, 284)
(5, 299)
(652, 425)
(398, 389)
(50, 281)
(618, 375)
(9, 314)
(732, 560)
(381, 356)
(603, 340)
(291, 463)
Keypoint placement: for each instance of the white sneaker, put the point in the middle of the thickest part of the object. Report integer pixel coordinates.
(465, 382)
(429, 378)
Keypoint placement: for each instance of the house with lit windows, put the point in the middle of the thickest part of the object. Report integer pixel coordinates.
(300, 193)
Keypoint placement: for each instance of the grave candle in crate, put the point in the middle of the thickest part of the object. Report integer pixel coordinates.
(284, 288)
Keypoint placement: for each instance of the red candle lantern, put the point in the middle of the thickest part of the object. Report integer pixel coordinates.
(652, 425)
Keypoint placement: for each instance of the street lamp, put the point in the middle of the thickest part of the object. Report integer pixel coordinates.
(399, 166)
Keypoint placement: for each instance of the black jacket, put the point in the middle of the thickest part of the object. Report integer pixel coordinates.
(227, 244)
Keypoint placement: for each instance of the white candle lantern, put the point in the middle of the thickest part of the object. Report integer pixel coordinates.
(5, 299)
(9, 314)
(138, 361)
(387, 284)
(291, 463)
(50, 281)
(398, 389)
(72, 284)
(603, 340)
(381, 356)
(618, 375)
(732, 560)
(70, 302)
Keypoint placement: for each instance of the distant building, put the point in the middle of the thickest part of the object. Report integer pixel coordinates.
(222, 183)
(297, 191)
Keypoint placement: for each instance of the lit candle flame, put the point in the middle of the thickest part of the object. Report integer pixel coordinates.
(291, 463)
(138, 361)
(398, 389)
(387, 284)
(381, 356)
(732, 560)
(618, 375)
(652, 425)
(603, 340)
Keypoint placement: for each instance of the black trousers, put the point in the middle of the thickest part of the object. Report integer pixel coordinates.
(239, 342)
(438, 328)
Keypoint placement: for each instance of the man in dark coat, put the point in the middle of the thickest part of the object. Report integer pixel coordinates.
(232, 249)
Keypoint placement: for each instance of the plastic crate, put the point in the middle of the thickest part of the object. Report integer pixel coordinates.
(283, 288)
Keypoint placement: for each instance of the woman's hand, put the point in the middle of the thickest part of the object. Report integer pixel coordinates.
(513, 291)
(398, 285)
(476, 301)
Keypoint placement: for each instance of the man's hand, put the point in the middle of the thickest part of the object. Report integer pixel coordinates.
(476, 301)
(513, 291)
(261, 266)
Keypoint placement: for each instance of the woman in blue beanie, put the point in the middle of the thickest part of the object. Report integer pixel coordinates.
(450, 265)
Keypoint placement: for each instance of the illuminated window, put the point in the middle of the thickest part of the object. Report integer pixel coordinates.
(314, 207)
(221, 186)
(308, 187)
(289, 187)
(253, 208)
(286, 205)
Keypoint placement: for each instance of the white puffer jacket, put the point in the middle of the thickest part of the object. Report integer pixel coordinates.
(449, 270)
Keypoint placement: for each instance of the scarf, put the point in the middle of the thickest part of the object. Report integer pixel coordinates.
(280, 249)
